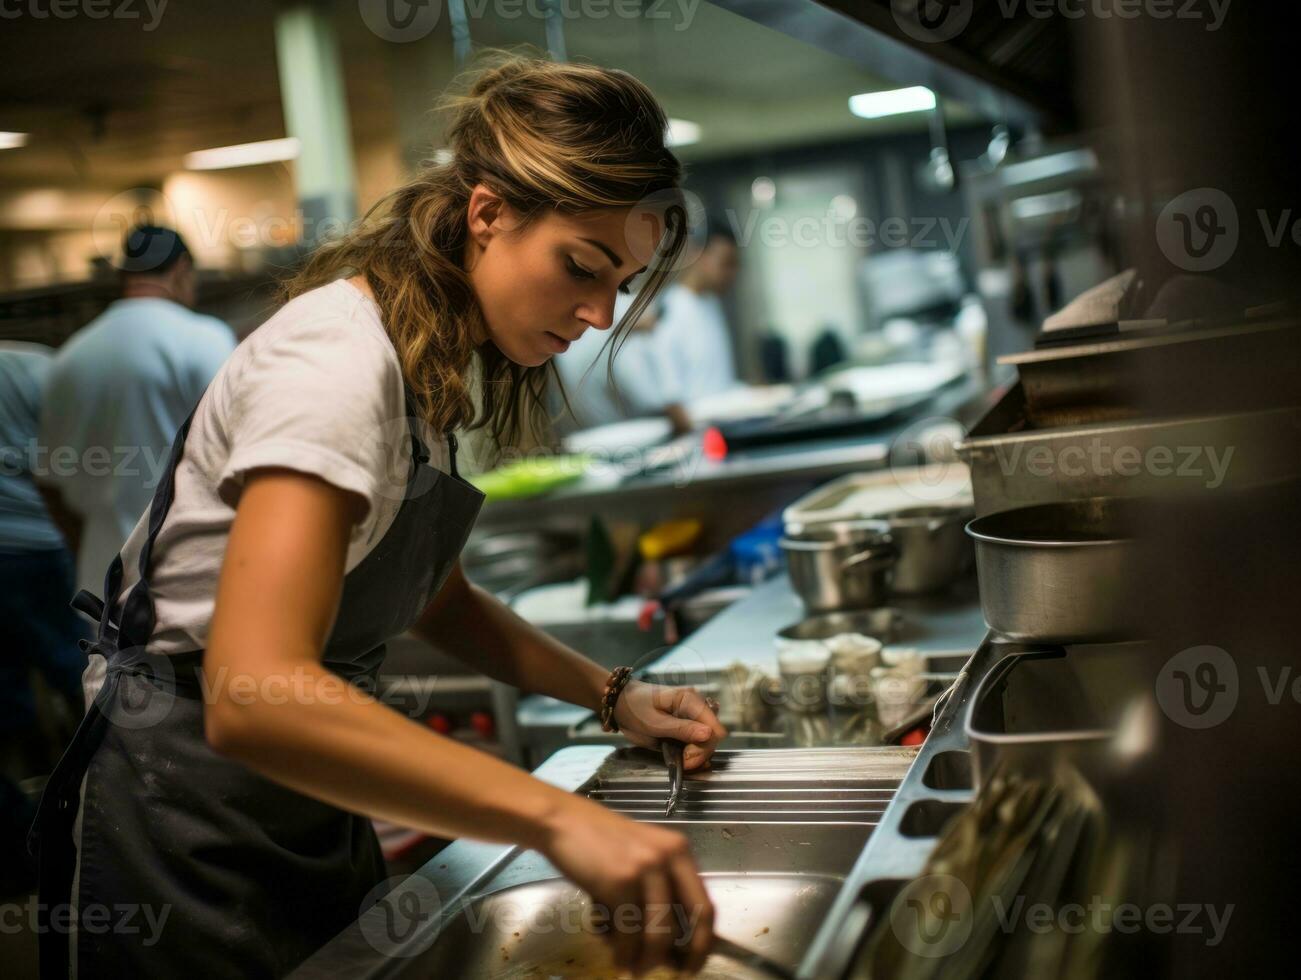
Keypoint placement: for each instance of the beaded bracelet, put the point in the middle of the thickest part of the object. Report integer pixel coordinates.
(614, 686)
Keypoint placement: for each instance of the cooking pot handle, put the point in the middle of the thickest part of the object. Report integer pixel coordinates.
(865, 556)
(955, 516)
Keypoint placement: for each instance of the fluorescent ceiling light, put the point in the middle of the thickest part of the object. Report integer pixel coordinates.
(11, 141)
(874, 105)
(683, 133)
(243, 155)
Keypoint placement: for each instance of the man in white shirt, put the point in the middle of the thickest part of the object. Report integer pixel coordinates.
(642, 384)
(692, 333)
(116, 394)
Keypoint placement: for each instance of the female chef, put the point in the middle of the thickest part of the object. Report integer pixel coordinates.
(311, 510)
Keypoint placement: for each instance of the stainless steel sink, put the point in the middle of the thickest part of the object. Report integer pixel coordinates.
(542, 929)
(774, 833)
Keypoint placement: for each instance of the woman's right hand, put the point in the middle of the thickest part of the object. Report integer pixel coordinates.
(627, 865)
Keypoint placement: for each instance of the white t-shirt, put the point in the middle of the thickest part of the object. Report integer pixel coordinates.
(692, 336)
(317, 389)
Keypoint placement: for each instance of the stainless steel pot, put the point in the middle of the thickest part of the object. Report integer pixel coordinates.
(843, 565)
(933, 550)
(1063, 572)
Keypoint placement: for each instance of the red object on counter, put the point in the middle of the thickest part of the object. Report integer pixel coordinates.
(714, 445)
(483, 723)
(440, 723)
(915, 737)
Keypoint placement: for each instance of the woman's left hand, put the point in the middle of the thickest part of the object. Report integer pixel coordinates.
(648, 712)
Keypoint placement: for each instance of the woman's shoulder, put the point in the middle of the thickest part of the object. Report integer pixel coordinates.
(326, 347)
(336, 314)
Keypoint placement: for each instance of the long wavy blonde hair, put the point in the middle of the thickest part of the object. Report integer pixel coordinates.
(544, 136)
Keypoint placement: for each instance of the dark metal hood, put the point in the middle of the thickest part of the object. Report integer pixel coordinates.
(991, 54)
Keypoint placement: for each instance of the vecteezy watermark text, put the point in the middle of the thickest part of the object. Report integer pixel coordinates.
(933, 916)
(1098, 458)
(937, 21)
(92, 9)
(126, 462)
(94, 918)
(838, 231)
(1099, 916)
(403, 21)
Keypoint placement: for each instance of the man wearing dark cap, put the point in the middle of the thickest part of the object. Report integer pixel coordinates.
(116, 394)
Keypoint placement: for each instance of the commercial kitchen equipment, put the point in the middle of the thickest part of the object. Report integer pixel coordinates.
(1062, 572)
(773, 834)
(841, 565)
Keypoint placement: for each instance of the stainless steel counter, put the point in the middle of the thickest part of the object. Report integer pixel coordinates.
(748, 482)
(746, 632)
(773, 833)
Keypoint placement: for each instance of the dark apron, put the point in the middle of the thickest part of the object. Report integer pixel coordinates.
(252, 876)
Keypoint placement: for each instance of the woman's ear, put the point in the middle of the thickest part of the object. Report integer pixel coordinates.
(484, 214)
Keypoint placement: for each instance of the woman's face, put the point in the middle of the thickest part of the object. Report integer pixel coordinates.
(542, 285)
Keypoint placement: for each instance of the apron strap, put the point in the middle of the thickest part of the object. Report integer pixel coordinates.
(137, 624)
(419, 451)
(451, 450)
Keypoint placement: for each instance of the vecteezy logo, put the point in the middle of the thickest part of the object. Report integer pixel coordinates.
(401, 20)
(931, 21)
(924, 460)
(1198, 687)
(653, 213)
(140, 696)
(1198, 230)
(932, 916)
(400, 916)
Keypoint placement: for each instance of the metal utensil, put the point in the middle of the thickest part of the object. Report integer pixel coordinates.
(750, 958)
(672, 750)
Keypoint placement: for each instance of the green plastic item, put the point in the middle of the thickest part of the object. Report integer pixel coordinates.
(531, 477)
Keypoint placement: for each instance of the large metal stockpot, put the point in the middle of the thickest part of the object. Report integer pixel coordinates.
(1062, 572)
(933, 550)
(841, 565)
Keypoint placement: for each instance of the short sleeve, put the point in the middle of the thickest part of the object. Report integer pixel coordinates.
(322, 395)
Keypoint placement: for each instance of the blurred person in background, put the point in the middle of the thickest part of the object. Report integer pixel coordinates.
(692, 334)
(118, 391)
(38, 629)
(602, 388)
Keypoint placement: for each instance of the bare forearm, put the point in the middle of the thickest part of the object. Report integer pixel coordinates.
(331, 741)
(483, 632)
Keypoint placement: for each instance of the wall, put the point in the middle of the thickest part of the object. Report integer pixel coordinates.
(800, 286)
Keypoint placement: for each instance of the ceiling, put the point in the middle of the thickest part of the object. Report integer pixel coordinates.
(111, 102)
